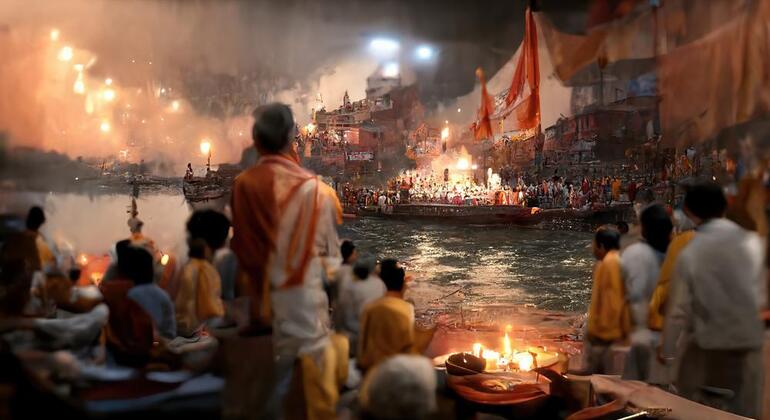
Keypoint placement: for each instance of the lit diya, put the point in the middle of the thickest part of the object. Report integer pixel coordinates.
(488, 376)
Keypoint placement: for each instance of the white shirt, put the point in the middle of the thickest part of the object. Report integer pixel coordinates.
(641, 268)
(717, 290)
(354, 294)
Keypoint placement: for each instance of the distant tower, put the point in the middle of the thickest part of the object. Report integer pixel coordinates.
(346, 100)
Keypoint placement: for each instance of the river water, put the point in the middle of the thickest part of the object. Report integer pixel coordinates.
(470, 265)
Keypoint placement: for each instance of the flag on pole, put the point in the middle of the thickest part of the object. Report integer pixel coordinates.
(482, 129)
(523, 100)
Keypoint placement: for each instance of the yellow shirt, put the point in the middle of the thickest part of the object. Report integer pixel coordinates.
(387, 329)
(199, 296)
(608, 315)
(660, 294)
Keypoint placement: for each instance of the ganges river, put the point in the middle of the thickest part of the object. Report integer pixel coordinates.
(472, 266)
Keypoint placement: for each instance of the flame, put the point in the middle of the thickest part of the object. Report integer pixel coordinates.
(83, 259)
(164, 259)
(54, 35)
(524, 360)
(507, 349)
(65, 54)
(310, 127)
(108, 81)
(108, 95)
(105, 126)
(463, 164)
(79, 87)
(175, 105)
(205, 147)
(444, 133)
(477, 349)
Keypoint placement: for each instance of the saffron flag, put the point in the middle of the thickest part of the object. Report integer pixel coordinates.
(523, 103)
(482, 129)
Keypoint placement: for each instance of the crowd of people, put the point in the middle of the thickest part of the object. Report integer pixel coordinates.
(685, 292)
(554, 192)
(335, 320)
(689, 295)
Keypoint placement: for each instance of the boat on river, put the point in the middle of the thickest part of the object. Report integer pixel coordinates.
(483, 214)
(499, 214)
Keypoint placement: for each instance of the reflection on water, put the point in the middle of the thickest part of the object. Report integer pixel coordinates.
(491, 265)
(484, 265)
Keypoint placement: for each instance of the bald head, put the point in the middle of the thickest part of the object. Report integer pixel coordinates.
(273, 128)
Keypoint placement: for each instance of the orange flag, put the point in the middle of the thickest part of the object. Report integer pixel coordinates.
(524, 105)
(482, 129)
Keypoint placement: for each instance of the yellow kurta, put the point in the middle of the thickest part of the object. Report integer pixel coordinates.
(608, 316)
(660, 294)
(199, 296)
(47, 259)
(387, 329)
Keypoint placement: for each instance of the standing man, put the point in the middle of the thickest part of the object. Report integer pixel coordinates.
(718, 290)
(285, 238)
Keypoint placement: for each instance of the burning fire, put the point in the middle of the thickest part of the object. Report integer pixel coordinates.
(164, 259)
(54, 35)
(205, 147)
(65, 54)
(105, 127)
(522, 360)
(463, 164)
(444, 133)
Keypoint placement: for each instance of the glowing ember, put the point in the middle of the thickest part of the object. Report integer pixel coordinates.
(205, 147)
(463, 164)
(164, 259)
(54, 35)
(444, 133)
(105, 127)
(65, 54)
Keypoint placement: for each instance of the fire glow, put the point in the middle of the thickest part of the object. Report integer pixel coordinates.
(510, 358)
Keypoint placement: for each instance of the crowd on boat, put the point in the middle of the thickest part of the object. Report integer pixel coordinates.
(337, 334)
(553, 192)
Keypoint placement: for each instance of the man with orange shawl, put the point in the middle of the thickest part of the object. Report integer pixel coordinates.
(285, 238)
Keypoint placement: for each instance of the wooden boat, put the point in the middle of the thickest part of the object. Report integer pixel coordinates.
(202, 189)
(485, 214)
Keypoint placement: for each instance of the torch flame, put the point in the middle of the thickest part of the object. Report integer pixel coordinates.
(108, 95)
(65, 54)
(444, 133)
(205, 147)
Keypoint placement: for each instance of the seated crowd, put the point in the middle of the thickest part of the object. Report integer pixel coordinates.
(333, 318)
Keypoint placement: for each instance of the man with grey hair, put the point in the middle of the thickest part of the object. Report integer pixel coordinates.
(401, 387)
(285, 238)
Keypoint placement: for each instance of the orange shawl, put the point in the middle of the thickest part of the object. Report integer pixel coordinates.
(261, 196)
